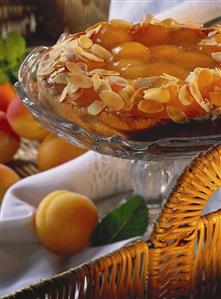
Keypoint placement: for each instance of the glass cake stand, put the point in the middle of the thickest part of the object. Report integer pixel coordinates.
(155, 164)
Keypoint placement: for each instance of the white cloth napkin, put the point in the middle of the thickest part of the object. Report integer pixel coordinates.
(22, 258)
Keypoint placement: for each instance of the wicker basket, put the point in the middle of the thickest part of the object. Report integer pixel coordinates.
(181, 259)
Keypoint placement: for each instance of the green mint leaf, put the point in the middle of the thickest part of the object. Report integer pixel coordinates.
(15, 47)
(126, 221)
(3, 78)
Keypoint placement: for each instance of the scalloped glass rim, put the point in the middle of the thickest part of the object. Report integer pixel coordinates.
(166, 148)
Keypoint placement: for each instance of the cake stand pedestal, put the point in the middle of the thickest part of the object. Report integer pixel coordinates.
(154, 180)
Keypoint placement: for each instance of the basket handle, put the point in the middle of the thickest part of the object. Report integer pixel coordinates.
(181, 213)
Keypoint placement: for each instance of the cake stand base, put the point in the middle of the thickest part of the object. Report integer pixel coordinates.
(154, 180)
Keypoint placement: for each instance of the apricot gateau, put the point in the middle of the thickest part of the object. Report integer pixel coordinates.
(144, 81)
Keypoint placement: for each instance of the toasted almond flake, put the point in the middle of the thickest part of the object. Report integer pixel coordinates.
(169, 84)
(72, 43)
(53, 74)
(138, 94)
(79, 80)
(129, 89)
(85, 42)
(60, 70)
(169, 77)
(90, 32)
(117, 80)
(62, 37)
(112, 100)
(218, 71)
(145, 82)
(126, 92)
(176, 115)
(72, 67)
(60, 78)
(72, 88)
(58, 65)
(169, 80)
(212, 33)
(218, 37)
(216, 56)
(45, 72)
(93, 31)
(54, 53)
(68, 51)
(149, 19)
(103, 86)
(194, 90)
(192, 79)
(63, 94)
(87, 55)
(96, 82)
(161, 95)
(100, 51)
(209, 42)
(96, 107)
(97, 29)
(150, 106)
(121, 23)
(184, 95)
(63, 59)
(74, 95)
(82, 66)
(46, 63)
(215, 98)
(128, 105)
(170, 23)
(104, 72)
(191, 25)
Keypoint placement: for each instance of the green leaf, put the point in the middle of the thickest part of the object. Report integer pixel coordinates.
(3, 78)
(2, 52)
(126, 221)
(14, 48)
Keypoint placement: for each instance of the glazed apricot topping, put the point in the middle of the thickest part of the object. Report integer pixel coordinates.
(152, 69)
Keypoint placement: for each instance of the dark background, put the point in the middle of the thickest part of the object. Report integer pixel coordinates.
(42, 21)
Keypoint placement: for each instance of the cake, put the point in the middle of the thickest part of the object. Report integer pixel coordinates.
(144, 81)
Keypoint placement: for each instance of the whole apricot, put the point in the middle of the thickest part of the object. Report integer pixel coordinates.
(133, 50)
(110, 35)
(23, 123)
(7, 177)
(54, 151)
(7, 94)
(64, 221)
(191, 60)
(9, 141)
(151, 35)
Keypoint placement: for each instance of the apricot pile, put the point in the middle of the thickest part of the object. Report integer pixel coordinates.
(23, 123)
(17, 122)
(7, 177)
(9, 141)
(54, 151)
